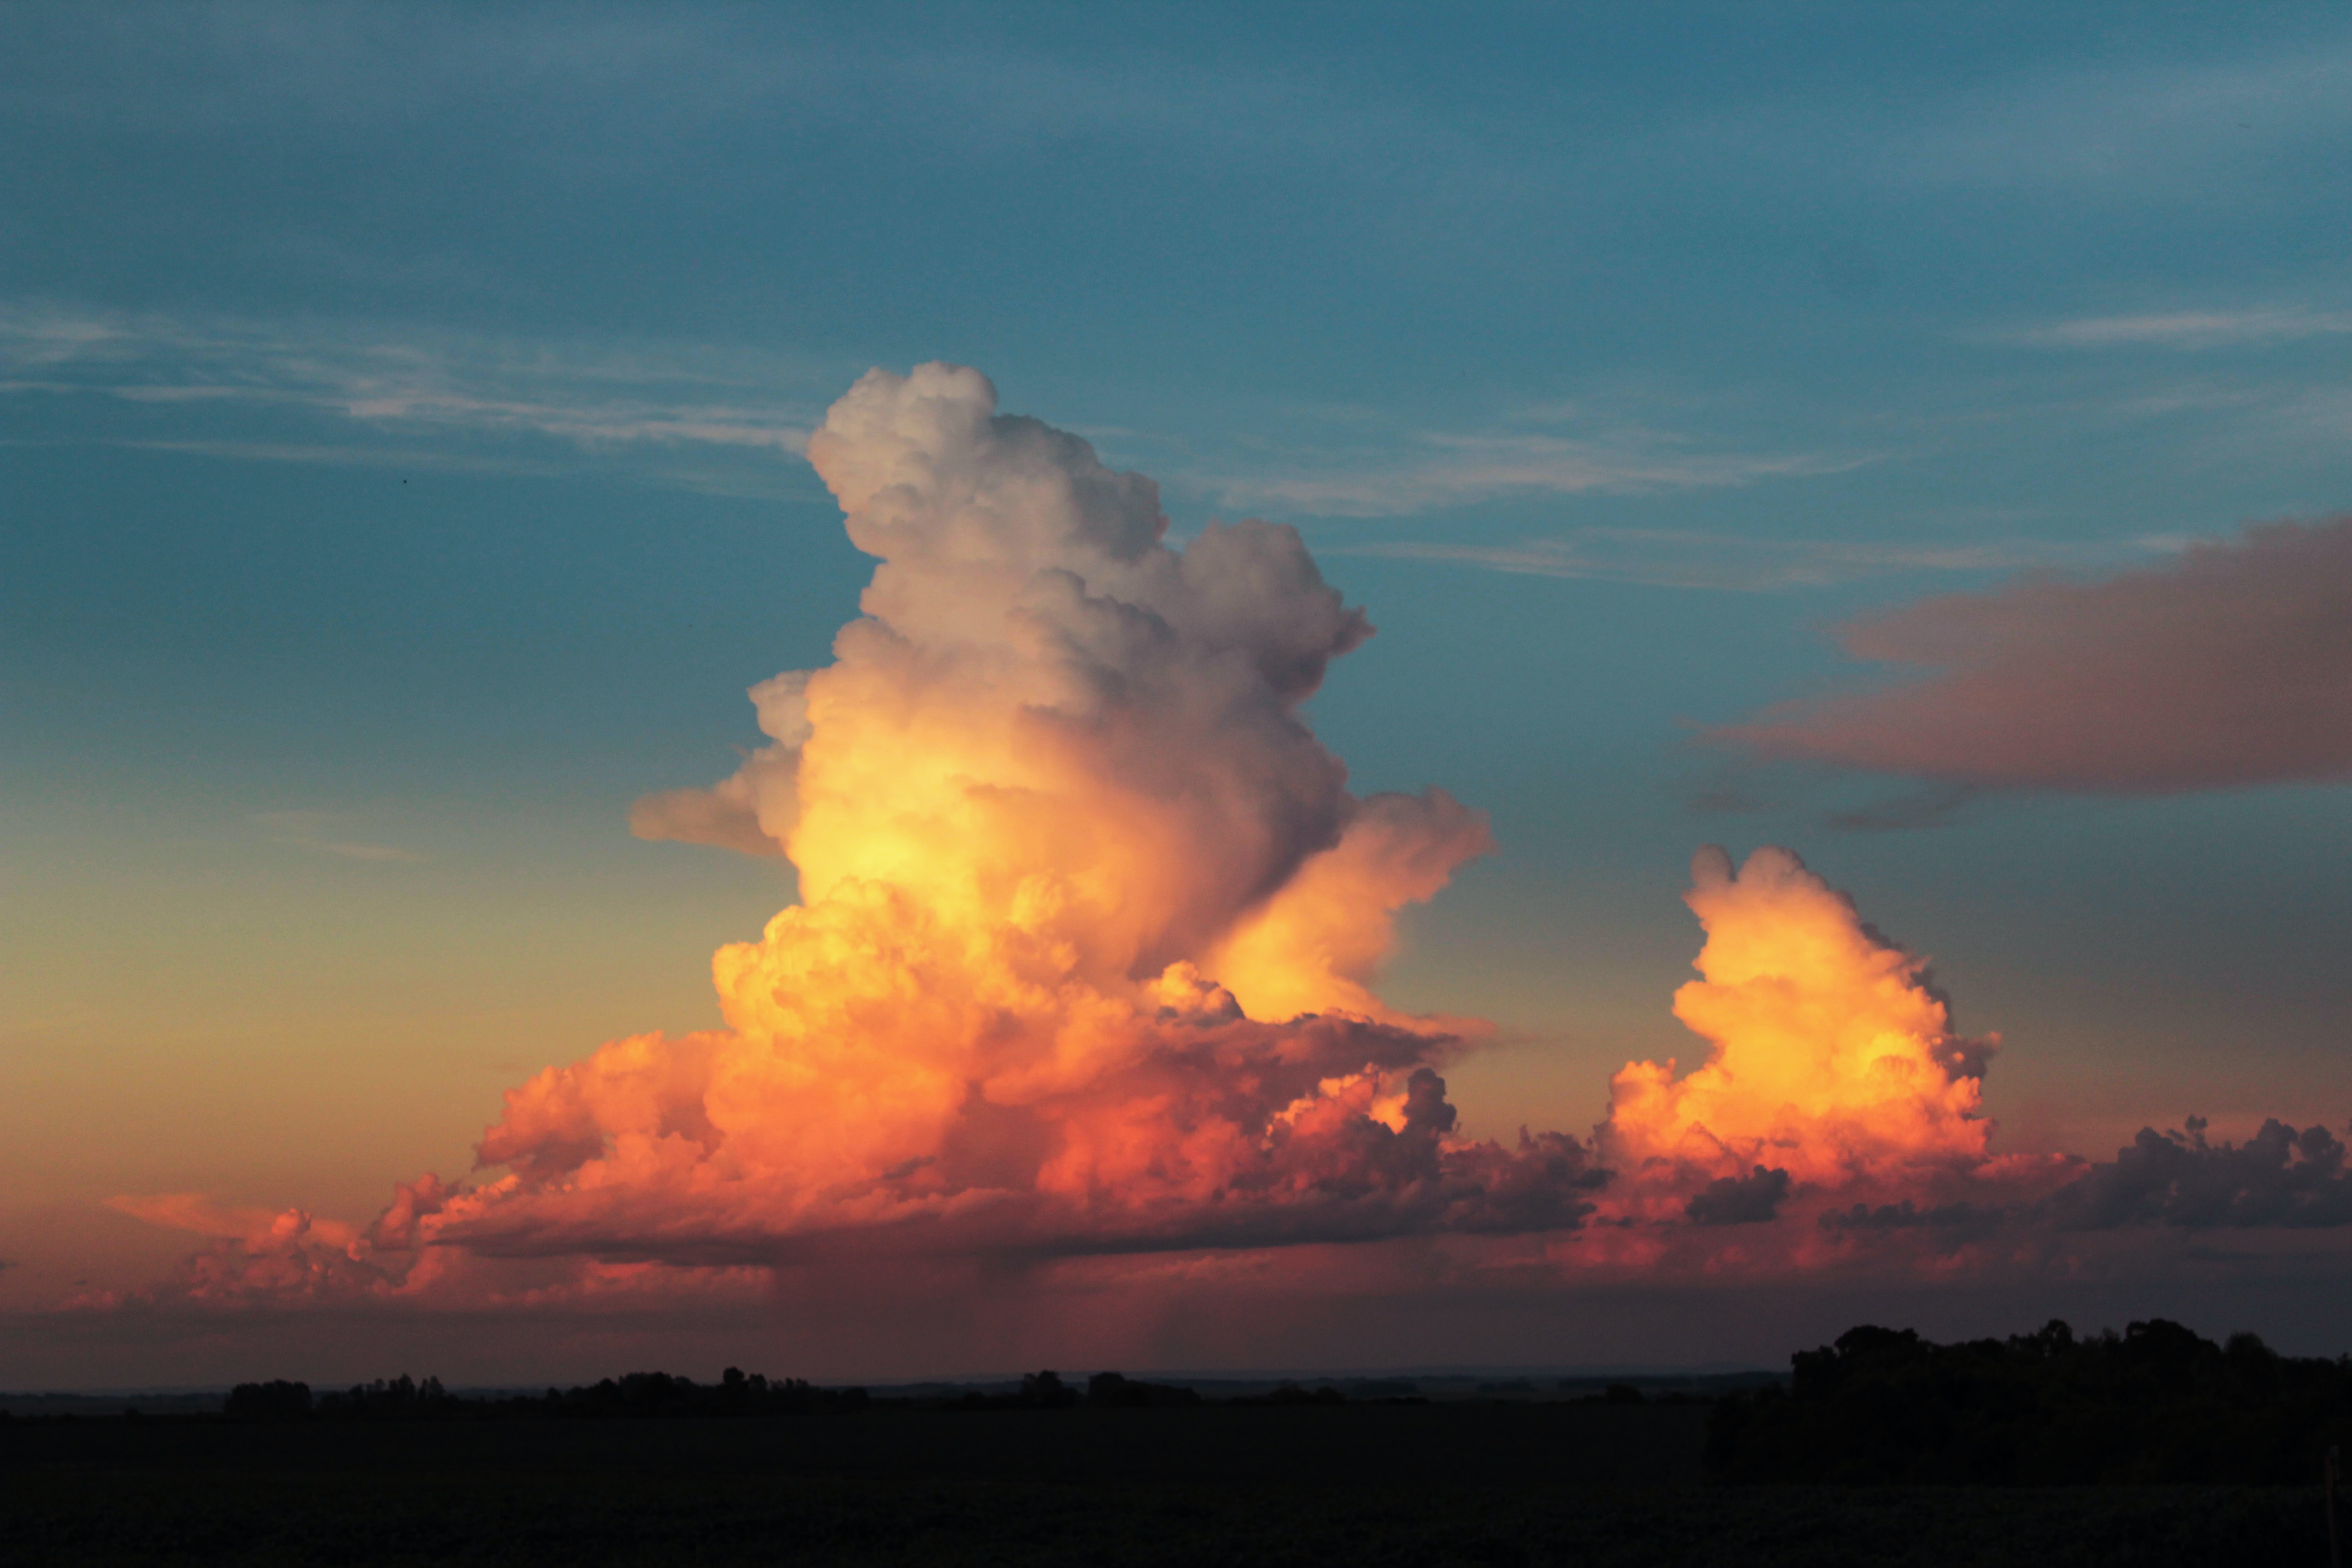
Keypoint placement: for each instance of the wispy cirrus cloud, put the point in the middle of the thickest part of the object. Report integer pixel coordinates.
(423, 388)
(2144, 128)
(1680, 558)
(1431, 470)
(2188, 329)
(327, 454)
(343, 393)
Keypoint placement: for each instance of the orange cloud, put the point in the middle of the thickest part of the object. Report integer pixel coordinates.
(251, 1227)
(1085, 965)
(755, 809)
(1831, 1059)
(1089, 920)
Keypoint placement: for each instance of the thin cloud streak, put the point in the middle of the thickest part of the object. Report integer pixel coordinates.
(2188, 329)
(2152, 128)
(734, 408)
(311, 830)
(665, 397)
(1440, 470)
(402, 457)
(1674, 558)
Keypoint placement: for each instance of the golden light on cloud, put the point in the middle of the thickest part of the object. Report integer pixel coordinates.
(1831, 1056)
(1086, 957)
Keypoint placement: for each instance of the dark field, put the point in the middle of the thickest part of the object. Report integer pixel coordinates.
(1485, 1483)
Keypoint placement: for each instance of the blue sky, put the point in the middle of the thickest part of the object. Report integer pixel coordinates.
(399, 416)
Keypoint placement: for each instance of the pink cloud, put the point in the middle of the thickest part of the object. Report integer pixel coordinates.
(1082, 984)
(2229, 666)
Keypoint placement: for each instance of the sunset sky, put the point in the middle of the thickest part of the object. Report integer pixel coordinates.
(1912, 443)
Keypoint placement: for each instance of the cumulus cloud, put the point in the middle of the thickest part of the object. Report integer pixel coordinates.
(2277, 1177)
(755, 808)
(1832, 1058)
(289, 1259)
(255, 1255)
(2230, 665)
(1085, 965)
(1088, 916)
(1752, 1199)
(1168, 1114)
(198, 1212)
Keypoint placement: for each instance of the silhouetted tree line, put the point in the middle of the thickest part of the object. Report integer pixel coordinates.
(1039, 1390)
(276, 1400)
(1110, 1389)
(1105, 1390)
(640, 1394)
(2156, 1403)
(656, 1394)
(1292, 1393)
(381, 1400)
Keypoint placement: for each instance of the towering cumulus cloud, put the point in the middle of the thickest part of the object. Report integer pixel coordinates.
(1087, 913)
(1833, 1060)
(1083, 963)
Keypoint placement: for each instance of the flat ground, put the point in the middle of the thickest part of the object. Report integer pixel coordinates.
(1355, 1485)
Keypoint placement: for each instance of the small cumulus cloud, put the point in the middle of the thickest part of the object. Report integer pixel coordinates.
(1833, 1060)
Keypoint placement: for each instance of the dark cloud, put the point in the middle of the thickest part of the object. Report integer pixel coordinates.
(1545, 1184)
(2277, 1177)
(2230, 665)
(1932, 807)
(1751, 1199)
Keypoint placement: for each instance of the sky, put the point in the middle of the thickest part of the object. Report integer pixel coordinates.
(1911, 438)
